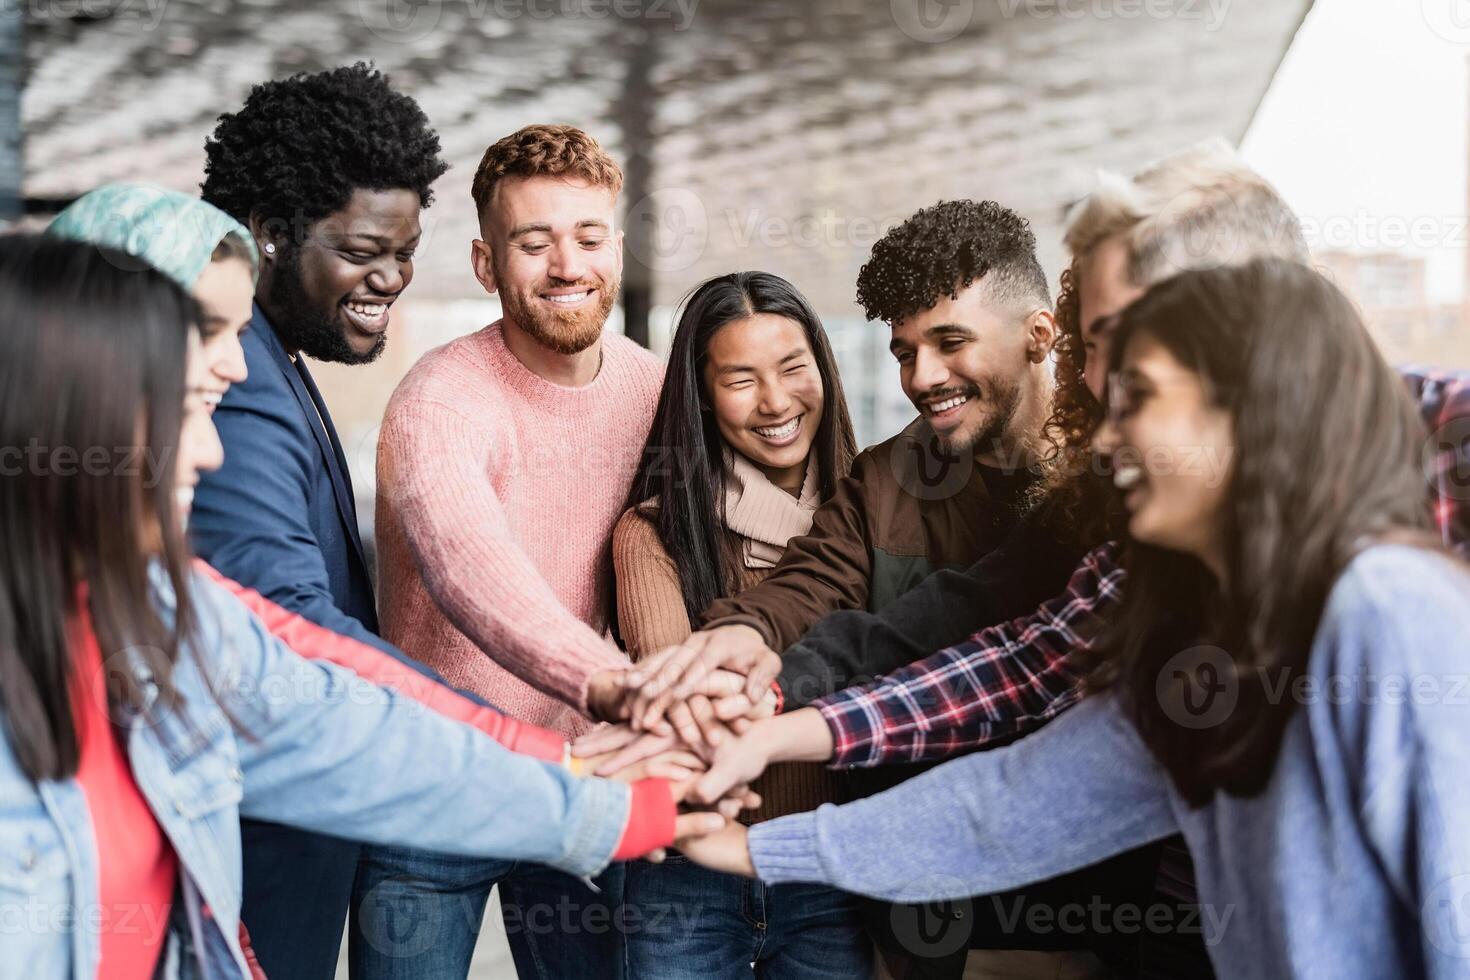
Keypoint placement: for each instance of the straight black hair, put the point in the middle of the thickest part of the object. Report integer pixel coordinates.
(683, 464)
(92, 362)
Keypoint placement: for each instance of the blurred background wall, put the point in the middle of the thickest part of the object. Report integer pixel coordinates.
(788, 136)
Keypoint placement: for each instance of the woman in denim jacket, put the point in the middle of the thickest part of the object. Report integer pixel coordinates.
(145, 709)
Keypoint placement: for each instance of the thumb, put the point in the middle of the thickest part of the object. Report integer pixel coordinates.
(690, 825)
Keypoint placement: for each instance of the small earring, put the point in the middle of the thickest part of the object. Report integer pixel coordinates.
(270, 248)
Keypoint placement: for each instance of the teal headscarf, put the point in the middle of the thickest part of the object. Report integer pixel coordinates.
(175, 233)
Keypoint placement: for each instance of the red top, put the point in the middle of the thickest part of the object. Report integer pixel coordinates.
(137, 867)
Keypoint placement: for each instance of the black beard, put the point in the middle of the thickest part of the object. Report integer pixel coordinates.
(1007, 398)
(302, 329)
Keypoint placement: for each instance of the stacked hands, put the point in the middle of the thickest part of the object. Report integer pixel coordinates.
(701, 715)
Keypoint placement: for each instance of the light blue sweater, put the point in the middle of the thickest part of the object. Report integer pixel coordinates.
(1353, 862)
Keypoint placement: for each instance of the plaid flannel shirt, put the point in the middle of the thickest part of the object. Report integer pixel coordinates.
(1011, 678)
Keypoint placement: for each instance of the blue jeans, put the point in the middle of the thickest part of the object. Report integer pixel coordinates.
(686, 922)
(419, 916)
(298, 886)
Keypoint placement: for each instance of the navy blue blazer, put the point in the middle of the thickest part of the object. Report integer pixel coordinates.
(279, 516)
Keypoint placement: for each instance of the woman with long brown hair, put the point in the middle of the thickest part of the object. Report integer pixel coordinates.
(1280, 686)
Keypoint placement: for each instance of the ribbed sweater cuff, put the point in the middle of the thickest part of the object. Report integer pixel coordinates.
(651, 814)
(786, 849)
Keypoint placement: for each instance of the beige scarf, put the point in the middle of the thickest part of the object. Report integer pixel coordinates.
(765, 516)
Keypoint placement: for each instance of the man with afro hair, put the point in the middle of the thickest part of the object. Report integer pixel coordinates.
(329, 171)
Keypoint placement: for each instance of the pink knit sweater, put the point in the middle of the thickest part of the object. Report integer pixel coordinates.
(497, 496)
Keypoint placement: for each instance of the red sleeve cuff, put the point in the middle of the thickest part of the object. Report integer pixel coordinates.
(650, 820)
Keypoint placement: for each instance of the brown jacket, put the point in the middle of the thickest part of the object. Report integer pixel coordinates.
(908, 508)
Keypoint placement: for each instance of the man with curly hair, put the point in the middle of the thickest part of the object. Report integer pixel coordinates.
(971, 326)
(329, 171)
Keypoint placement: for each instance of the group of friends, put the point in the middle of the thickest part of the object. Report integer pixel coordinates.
(1141, 651)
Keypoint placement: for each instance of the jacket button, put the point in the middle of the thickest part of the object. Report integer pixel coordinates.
(236, 774)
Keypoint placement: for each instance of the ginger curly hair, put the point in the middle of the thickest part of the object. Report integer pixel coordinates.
(544, 151)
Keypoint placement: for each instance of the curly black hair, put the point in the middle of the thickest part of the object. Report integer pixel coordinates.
(300, 146)
(941, 250)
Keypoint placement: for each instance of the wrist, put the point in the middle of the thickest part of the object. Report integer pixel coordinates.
(604, 695)
(800, 736)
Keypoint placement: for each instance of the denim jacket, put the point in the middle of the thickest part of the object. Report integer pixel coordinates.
(261, 732)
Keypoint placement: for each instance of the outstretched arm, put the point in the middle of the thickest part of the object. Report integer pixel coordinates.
(1082, 790)
(854, 646)
(1004, 681)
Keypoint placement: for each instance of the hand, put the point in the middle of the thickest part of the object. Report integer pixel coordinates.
(676, 765)
(799, 736)
(678, 672)
(721, 849)
(604, 743)
(736, 763)
(607, 692)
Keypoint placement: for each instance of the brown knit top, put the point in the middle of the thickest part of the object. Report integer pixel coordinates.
(651, 616)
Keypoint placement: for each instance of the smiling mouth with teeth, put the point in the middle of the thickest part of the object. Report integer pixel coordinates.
(781, 431)
(569, 299)
(939, 408)
(1127, 476)
(368, 317)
